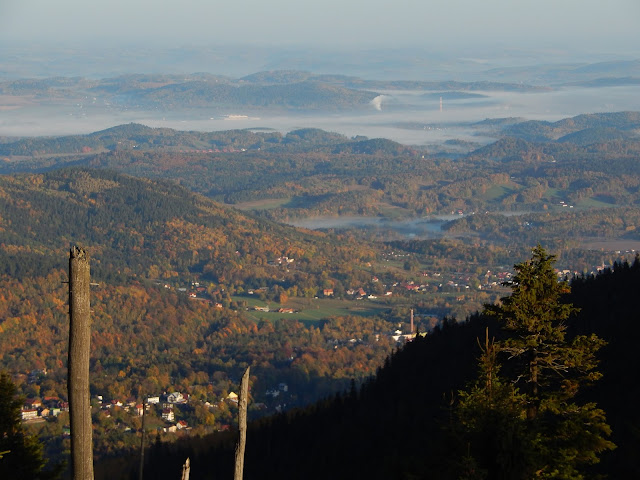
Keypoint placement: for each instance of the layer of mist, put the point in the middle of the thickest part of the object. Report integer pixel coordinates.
(408, 117)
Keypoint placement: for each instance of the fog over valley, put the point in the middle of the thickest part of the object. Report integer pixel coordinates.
(408, 117)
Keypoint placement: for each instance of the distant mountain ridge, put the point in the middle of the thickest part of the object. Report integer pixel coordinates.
(568, 73)
(139, 137)
(284, 90)
(536, 130)
(299, 95)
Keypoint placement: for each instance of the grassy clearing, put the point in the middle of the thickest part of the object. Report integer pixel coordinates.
(553, 194)
(393, 212)
(310, 311)
(593, 202)
(498, 192)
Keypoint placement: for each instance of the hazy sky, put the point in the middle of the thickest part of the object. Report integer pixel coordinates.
(601, 25)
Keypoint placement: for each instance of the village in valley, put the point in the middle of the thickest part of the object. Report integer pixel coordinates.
(429, 294)
(397, 279)
(167, 413)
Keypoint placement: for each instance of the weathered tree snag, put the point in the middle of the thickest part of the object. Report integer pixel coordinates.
(242, 426)
(142, 440)
(186, 468)
(78, 366)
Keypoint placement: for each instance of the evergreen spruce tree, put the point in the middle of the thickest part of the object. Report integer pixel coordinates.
(491, 423)
(21, 457)
(529, 423)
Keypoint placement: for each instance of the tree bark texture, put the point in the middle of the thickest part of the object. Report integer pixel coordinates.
(78, 366)
(242, 426)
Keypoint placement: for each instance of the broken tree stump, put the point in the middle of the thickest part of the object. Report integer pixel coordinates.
(78, 366)
(242, 426)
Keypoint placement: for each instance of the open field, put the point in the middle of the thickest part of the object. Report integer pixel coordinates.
(499, 191)
(611, 244)
(310, 311)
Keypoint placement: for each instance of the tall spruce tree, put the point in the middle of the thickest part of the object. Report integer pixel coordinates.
(543, 429)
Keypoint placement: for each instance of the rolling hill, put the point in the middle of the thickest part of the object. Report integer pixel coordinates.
(139, 226)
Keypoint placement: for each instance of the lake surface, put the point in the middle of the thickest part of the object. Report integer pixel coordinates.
(408, 117)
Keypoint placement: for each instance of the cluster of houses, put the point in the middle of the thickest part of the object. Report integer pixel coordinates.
(165, 404)
(130, 405)
(36, 408)
(282, 261)
(168, 405)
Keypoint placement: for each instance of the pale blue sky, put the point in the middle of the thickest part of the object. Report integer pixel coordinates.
(602, 25)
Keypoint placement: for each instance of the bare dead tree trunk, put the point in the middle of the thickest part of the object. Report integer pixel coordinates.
(144, 416)
(78, 366)
(186, 469)
(242, 426)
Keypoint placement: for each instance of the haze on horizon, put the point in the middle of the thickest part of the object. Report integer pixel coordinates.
(557, 30)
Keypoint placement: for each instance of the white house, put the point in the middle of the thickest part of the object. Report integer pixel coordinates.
(167, 414)
(175, 397)
(29, 414)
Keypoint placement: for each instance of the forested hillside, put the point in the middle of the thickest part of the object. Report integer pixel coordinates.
(587, 163)
(155, 230)
(401, 424)
(174, 275)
